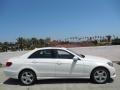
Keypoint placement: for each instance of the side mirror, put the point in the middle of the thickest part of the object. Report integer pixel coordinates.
(75, 58)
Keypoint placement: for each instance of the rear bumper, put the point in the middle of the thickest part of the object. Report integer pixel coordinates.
(11, 74)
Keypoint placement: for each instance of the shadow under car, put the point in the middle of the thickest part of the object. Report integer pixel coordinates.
(11, 81)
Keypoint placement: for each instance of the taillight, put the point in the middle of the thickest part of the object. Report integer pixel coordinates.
(8, 64)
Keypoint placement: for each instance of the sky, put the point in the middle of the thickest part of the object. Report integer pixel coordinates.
(58, 19)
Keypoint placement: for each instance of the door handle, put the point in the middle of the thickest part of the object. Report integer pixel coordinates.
(59, 63)
(34, 62)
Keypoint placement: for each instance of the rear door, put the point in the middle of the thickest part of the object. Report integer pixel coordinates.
(44, 62)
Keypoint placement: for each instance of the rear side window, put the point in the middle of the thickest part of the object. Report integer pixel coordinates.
(42, 54)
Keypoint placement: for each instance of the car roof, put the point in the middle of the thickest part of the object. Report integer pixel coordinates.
(36, 49)
(51, 48)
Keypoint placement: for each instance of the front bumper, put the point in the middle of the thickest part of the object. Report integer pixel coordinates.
(112, 72)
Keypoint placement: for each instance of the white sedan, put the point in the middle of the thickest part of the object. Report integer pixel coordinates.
(53, 62)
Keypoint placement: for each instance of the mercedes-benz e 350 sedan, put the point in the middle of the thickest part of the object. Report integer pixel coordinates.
(53, 62)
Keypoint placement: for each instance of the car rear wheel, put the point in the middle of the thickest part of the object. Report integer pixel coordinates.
(27, 77)
(100, 75)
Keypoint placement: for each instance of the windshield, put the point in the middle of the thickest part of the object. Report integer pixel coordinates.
(81, 55)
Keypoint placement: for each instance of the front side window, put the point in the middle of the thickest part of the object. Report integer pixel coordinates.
(42, 54)
(64, 54)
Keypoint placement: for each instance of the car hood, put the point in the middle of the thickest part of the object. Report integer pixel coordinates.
(96, 59)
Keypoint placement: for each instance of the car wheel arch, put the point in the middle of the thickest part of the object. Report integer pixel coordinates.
(26, 69)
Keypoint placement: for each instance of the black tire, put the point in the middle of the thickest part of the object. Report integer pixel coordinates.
(27, 77)
(102, 77)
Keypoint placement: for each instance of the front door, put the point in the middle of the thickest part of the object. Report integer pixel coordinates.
(66, 66)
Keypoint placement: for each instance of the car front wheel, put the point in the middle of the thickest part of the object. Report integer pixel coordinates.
(100, 75)
(27, 77)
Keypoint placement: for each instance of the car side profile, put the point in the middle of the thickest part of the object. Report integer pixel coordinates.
(54, 62)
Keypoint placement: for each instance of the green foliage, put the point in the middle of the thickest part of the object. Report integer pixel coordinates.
(0, 65)
(95, 42)
(24, 44)
(103, 43)
(109, 38)
(28, 44)
(31, 43)
(116, 41)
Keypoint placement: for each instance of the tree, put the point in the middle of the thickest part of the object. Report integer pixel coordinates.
(21, 43)
(41, 42)
(47, 41)
(34, 42)
(95, 42)
(5, 46)
(116, 41)
(108, 38)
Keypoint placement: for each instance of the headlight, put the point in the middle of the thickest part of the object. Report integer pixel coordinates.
(110, 64)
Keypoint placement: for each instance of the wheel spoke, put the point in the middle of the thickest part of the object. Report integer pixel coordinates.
(100, 79)
(96, 76)
(23, 77)
(97, 72)
(104, 77)
(30, 80)
(26, 73)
